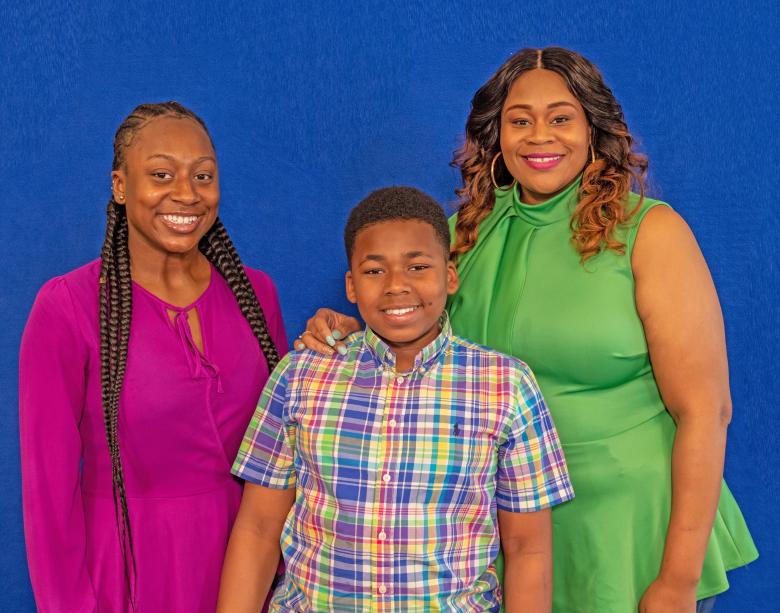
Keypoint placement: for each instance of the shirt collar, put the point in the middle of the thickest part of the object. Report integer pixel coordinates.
(424, 359)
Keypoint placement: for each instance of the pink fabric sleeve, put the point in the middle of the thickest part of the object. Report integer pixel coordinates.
(52, 367)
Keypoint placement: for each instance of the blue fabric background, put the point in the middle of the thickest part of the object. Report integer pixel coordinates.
(312, 105)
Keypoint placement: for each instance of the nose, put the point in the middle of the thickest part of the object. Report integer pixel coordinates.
(184, 190)
(396, 282)
(540, 133)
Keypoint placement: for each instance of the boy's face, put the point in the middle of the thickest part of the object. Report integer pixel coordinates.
(400, 277)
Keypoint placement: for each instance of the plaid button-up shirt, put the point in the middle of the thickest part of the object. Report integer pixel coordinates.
(398, 476)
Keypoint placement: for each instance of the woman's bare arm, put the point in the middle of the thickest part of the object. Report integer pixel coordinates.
(679, 308)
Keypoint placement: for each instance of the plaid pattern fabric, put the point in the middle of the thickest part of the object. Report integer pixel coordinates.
(399, 476)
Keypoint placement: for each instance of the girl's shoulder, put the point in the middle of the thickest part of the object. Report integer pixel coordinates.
(263, 284)
(77, 285)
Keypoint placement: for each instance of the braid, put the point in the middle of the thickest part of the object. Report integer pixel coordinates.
(116, 307)
(219, 250)
(115, 315)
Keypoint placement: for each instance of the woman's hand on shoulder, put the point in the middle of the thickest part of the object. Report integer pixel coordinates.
(668, 597)
(325, 330)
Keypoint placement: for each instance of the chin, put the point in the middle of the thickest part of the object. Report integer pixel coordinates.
(179, 248)
(547, 186)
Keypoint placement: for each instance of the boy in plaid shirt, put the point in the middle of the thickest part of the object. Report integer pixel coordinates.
(392, 473)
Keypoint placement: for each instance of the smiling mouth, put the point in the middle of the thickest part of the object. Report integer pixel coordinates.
(400, 311)
(542, 161)
(183, 224)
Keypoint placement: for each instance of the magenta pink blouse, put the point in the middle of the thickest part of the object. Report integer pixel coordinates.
(182, 416)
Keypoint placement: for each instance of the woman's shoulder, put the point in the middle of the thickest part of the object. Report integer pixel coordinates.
(74, 284)
(69, 300)
(640, 207)
(261, 281)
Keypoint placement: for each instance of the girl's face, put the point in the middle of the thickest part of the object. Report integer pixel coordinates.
(169, 186)
(545, 135)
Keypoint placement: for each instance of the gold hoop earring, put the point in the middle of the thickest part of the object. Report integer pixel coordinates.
(493, 174)
(592, 154)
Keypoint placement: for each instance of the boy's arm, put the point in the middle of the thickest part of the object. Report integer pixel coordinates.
(252, 555)
(526, 540)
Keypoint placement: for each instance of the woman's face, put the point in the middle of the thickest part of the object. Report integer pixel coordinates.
(545, 135)
(169, 186)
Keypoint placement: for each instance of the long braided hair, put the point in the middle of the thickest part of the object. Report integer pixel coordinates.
(605, 182)
(116, 306)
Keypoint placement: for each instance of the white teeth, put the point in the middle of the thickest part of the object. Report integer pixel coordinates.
(181, 220)
(400, 311)
(545, 160)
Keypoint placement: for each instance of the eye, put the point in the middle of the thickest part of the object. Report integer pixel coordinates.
(204, 177)
(520, 122)
(373, 271)
(561, 119)
(419, 267)
(162, 175)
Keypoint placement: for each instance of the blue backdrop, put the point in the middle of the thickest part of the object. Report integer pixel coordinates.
(313, 105)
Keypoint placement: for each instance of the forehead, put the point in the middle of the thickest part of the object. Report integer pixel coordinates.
(397, 237)
(176, 137)
(538, 88)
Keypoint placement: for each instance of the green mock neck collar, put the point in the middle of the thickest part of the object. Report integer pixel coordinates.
(559, 207)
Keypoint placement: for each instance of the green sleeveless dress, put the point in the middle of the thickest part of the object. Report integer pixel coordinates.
(524, 292)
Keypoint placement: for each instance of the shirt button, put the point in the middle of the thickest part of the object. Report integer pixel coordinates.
(382, 535)
(399, 380)
(392, 423)
(382, 589)
(386, 478)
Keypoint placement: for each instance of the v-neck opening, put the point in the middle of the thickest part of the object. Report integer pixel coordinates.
(190, 306)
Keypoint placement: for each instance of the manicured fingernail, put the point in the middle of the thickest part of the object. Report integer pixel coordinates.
(329, 339)
(342, 349)
(336, 334)
(300, 346)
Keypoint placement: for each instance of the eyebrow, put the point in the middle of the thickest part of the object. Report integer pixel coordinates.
(552, 105)
(374, 257)
(173, 159)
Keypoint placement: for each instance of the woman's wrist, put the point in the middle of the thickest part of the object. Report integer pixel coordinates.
(680, 576)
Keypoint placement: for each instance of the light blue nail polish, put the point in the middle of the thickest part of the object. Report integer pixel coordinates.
(342, 349)
(330, 341)
(336, 334)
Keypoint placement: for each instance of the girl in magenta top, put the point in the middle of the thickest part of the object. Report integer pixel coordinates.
(139, 373)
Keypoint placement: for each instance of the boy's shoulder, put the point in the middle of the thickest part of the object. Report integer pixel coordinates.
(308, 363)
(503, 374)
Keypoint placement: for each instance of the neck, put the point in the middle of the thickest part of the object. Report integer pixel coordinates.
(405, 353)
(177, 278)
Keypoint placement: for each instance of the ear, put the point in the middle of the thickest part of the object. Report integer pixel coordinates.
(118, 186)
(350, 284)
(452, 279)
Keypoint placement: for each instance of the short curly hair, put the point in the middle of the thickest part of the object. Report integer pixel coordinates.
(396, 203)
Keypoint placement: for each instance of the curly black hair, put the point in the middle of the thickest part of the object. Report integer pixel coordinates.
(396, 203)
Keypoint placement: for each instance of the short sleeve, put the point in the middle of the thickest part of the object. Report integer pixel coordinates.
(266, 454)
(532, 473)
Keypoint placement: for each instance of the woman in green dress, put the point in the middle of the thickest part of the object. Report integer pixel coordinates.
(606, 295)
